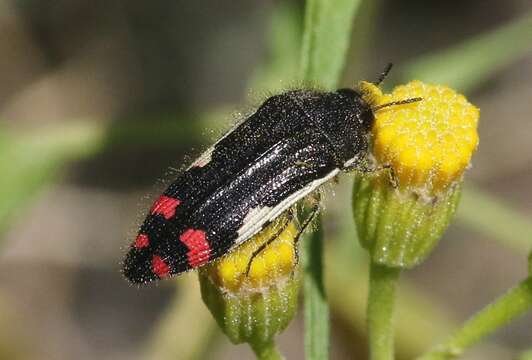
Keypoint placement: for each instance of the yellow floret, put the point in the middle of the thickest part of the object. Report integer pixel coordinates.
(428, 143)
(272, 264)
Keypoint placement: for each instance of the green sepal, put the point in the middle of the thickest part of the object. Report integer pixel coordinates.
(253, 317)
(398, 226)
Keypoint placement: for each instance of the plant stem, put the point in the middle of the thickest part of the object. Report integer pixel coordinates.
(381, 301)
(497, 314)
(267, 351)
(316, 306)
(326, 35)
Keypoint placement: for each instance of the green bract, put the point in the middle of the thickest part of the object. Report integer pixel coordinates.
(398, 226)
(252, 317)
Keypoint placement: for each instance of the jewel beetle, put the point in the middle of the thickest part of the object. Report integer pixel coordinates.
(293, 143)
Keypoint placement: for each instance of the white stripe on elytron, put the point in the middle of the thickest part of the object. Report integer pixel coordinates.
(257, 217)
(204, 158)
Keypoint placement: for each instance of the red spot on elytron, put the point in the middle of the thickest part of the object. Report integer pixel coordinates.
(165, 206)
(199, 250)
(159, 267)
(142, 241)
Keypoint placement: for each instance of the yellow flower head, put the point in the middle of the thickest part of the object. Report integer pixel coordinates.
(254, 301)
(428, 143)
(273, 264)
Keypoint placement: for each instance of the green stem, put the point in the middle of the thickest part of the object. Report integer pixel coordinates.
(267, 351)
(326, 36)
(381, 301)
(497, 314)
(316, 306)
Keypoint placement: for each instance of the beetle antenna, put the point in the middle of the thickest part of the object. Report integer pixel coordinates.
(383, 74)
(394, 103)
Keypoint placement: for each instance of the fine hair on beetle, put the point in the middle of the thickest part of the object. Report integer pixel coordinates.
(271, 163)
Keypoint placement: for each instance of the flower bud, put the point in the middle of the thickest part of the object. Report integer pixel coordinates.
(252, 302)
(424, 147)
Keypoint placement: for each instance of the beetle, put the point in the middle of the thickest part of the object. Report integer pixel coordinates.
(294, 142)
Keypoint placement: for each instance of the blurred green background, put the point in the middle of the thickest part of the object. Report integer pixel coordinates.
(102, 102)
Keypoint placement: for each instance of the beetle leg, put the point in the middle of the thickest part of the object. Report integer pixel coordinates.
(316, 198)
(288, 219)
(369, 169)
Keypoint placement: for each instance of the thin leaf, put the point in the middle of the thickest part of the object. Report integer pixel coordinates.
(326, 39)
(467, 65)
(509, 306)
(492, 217)
(32, 161)
(29, 163)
